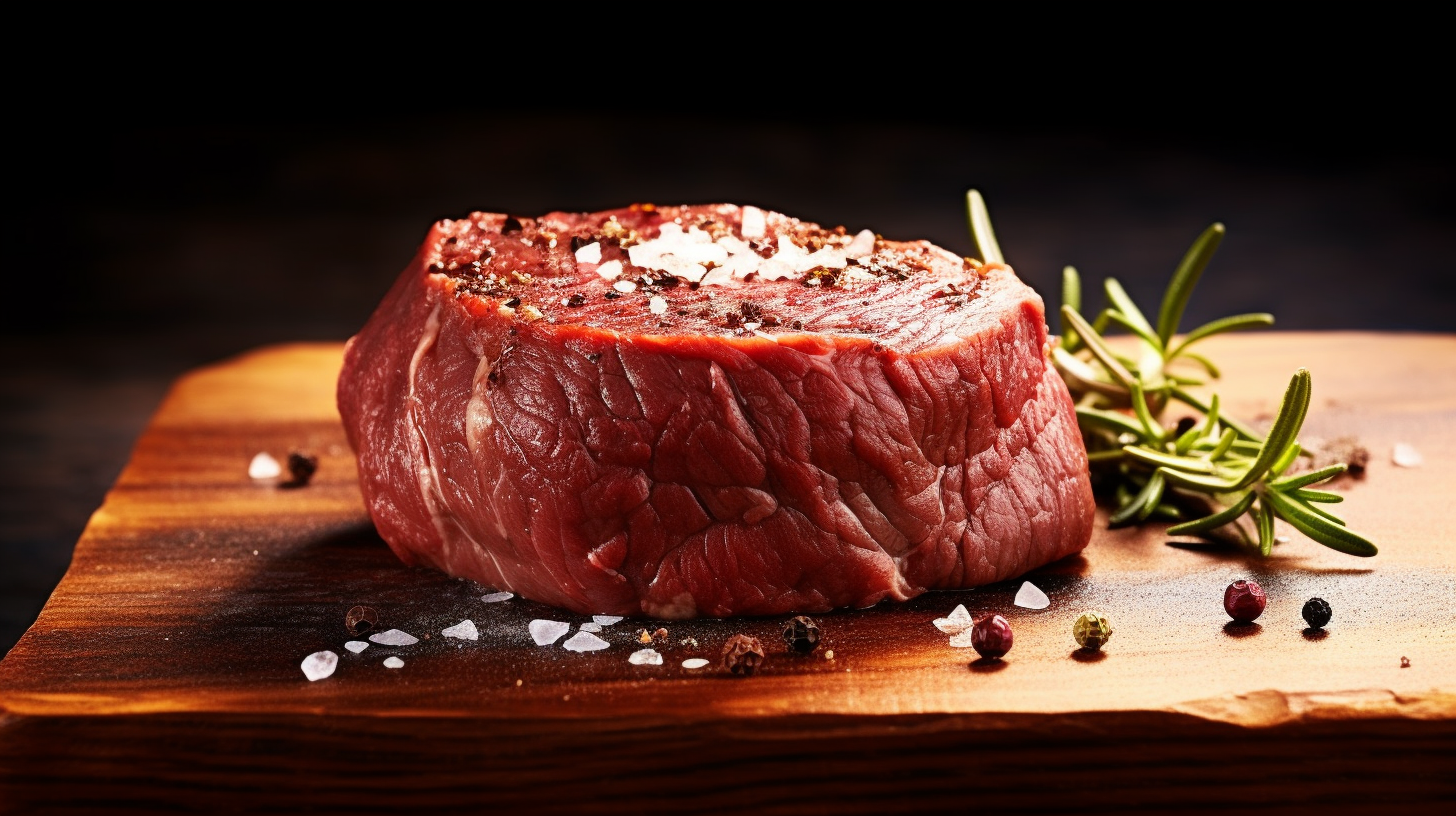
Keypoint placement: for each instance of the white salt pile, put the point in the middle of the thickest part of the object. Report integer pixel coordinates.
(547, 632)
(394, 637)
(497, 597)
(1031, 597)
(319, 665)
(694, 663)
(645, 657)
(584, 642)
(356, 646)
(959, 621)
(606, 620)
(464, 630)
(393, 663)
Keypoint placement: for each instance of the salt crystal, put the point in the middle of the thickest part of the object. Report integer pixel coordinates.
(963, 639)
(645, 657)
(1031, 597)
(959, 621)
(394, 637)
(393, 663)
(497, 597)
(319, 665)
(591, 627)
(607, 620)
(611, 270)
(1405, 455)
(264, 466)
(464, 630)
(694, 663)
(547, 632)
(591, 253)
(356, 646)
(625, 287)
(584, 642)
(751, 326)
(754, 224)
(863, 244)
(657, 305)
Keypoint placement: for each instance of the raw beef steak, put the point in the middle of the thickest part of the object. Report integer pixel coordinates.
(711, 410)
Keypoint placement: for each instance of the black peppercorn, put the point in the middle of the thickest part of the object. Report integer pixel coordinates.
(742, 654)
(802, 634)
(361, 620)
(1316, 613)
(301, 468)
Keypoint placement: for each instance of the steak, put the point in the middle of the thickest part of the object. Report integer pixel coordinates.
(709, 411)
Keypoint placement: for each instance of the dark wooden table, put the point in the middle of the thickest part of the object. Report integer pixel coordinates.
(164, 672)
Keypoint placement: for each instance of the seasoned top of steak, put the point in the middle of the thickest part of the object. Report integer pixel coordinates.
(709, 270)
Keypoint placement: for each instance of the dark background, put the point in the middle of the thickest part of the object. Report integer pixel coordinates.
(167, 240)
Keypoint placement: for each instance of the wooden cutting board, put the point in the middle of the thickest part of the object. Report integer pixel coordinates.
(164, 672)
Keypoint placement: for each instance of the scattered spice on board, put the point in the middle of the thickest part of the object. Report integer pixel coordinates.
(1244, 601)
(802, 634)
(1092, 630)
(1405, 662)
(301, 468)
(1316, 613)
(829, 655)
(991, 637)
(644, 636)
(742, 654)
(688, 641)
(360, 620)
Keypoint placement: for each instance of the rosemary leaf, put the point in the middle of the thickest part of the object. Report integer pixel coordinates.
(981, 232)
(1135, 320)
(1175, 299)
(1321, 496)
(1224, 443)
(1099, 349)
(1292, 410)
(1243, 430)
(1201, 360)
(1318, 528)
(1109, 420)
(1142, 504)
(1082, 374)
(1145, 416)
(1299, 480)
(1264, 516)
(1285, 459)
(1185, 442)
(1224, 324)
(1218, 519)
(1188, 464)
(1071, 296)
(1141, 329)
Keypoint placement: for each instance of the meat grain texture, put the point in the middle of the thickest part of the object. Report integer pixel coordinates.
(711, 411)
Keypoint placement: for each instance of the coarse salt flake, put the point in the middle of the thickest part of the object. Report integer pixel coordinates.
(591, 253)
(356, 646)
(497, 597)
(963, 640)
(958, 621)
(319, 665)
(645, 657)
(625, 287)
(657, 305)
(584, 642)
(862, 245)
(694, 663)
(547, 632)
(754, 224)
(394, 637)
(264, 466)
(593, 626)
(610, 270)
(393, 663)
(1405, 455)
(464, 630)
(607, 620)
(1031, 597)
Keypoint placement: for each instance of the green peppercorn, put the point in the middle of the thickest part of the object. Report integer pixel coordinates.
(1092, 630)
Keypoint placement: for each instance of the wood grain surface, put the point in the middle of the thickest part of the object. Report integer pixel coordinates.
(164, 672)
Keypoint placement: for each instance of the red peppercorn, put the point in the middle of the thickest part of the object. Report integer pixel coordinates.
(1244, 601)
(991, 636)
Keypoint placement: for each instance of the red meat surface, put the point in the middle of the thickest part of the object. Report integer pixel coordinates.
(809, 419)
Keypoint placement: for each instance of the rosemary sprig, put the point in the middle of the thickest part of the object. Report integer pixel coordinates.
(1156, 471)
